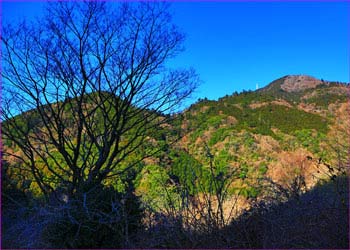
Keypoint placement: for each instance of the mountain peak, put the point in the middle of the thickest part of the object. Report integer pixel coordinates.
(295, 83)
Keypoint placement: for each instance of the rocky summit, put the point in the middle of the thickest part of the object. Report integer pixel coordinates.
(294, 83)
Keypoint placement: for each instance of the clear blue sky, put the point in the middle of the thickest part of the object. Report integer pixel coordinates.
(236, 45)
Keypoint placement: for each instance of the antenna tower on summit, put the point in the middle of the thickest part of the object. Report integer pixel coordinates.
(257, 86)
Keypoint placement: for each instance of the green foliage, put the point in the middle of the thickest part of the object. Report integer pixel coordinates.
(289, 120)
(243, 172)
(248, 139)
(186, 169)
(262, 168)
(324, 98)
(310, 139)
(214, 121)
(155, 187)
(219, 135)
(249, 97)
(257, 120)
(249, 192)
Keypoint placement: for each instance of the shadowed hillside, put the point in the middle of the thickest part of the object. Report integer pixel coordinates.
(317, 219)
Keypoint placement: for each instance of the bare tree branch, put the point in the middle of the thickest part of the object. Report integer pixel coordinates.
(86, 88)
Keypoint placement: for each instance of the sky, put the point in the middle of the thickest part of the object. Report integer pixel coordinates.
(237, 46)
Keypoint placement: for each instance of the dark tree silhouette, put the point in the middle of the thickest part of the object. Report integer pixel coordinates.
(91, 83)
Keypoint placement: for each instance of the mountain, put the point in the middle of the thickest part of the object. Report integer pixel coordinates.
(258, 147)
(295, 83)
(274, 132)
(293, 116)
(308, 88)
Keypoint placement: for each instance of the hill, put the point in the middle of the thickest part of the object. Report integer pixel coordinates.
(270, 145)
(269, 130)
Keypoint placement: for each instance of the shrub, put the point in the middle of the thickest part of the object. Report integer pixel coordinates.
(100, 217)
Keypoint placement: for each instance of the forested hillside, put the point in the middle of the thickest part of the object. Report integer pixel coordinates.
(98, 151)
(206, 172)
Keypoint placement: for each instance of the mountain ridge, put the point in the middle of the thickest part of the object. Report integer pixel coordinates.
(260, 133)
(268, 145)
(297, 83)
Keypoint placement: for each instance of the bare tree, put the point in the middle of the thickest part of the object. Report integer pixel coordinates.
(85, 88)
